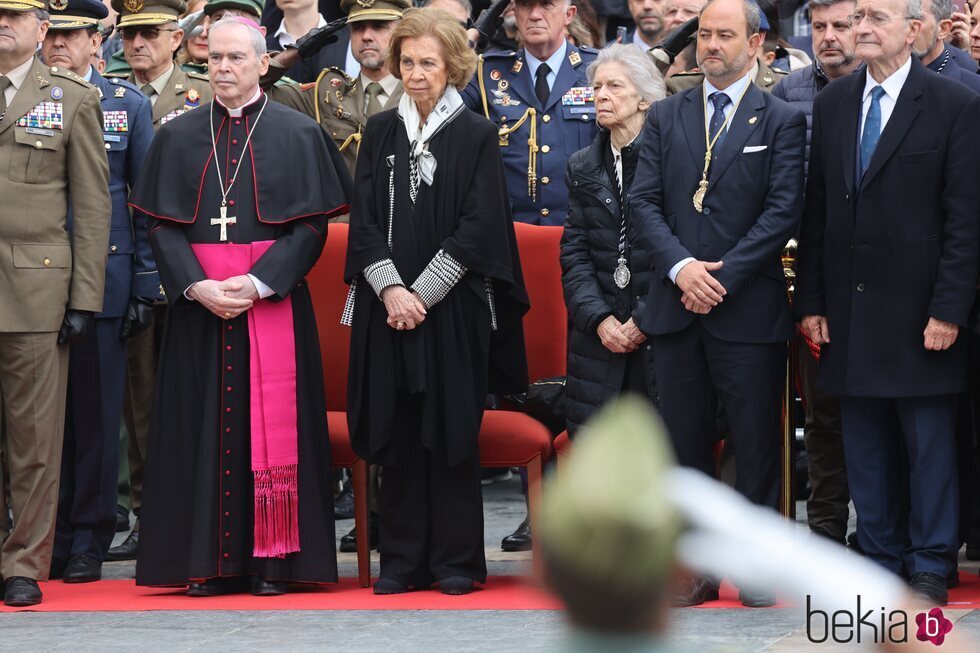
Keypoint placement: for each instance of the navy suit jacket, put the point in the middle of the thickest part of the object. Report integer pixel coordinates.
(880, 257)
(130, 269)
(753, 206)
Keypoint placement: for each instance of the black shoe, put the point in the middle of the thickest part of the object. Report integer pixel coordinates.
(82, 569)
(695, 591)
(343, 505)
(57, 568)
(953, 580)
(122, 519)
(853, 545)
(389, 586)
(456, 585)
(126, 550)
(21, 592)
(348, 543)
(973, 551)
(519, 540)
(218, 587)
(263, 587)
(756, 598)
(929, 587)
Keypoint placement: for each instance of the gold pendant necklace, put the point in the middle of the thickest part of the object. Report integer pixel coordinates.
(709, 142)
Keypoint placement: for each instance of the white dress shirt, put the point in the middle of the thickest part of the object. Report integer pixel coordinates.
(734, 93)
(286, 39)
(554, 63)
(892, 87)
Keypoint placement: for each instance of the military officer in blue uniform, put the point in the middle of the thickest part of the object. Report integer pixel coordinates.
(97, 363)
(543, 105)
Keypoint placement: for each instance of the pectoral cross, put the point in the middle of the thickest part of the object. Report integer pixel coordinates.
(223, 222)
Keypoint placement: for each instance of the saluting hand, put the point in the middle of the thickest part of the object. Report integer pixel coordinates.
(703, 290)
(212, 296)
(405, 310)
(939, 335)
(816, 329)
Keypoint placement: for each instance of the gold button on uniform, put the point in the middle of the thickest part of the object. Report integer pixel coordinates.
(546, 118)
(545, 149)
(38, 144)
(545, 212)
(46, 262)
(545, 180)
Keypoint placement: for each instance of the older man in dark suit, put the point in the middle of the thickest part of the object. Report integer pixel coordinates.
(718, 192)
(888, 272)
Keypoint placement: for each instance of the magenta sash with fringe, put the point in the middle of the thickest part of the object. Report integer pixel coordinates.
(272, 376)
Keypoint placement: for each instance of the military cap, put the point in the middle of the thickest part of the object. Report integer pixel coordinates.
(253, 7)
(605, 513)
(140, 13)
(360, 10)
(77, 14)
(23, 5)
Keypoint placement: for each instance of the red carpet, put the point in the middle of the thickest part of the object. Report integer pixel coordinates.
(500, 593)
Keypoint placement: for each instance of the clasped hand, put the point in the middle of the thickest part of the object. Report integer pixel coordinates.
(619, 337)
(701, 291)
(227, 299)
(406, 310)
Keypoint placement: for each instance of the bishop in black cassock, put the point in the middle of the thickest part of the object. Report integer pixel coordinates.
(200, 505)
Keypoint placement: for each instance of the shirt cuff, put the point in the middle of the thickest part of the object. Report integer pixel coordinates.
(382, 274)
(187, 290)
(677, 268)
(263, 290)
(438, 278)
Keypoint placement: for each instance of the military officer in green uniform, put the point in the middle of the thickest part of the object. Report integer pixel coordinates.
(341, 103)
(151, 36)
(50, 285)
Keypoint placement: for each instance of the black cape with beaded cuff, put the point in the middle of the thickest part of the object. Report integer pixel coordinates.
(450, 363)
(197, 516)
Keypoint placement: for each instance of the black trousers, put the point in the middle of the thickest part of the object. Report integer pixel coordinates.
(827, 508)
(430, 515)
(90, 457)
(694, 370)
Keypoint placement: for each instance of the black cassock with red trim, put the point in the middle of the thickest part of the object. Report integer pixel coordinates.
(198, 507)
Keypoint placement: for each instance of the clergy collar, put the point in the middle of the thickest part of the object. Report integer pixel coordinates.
(249, 107)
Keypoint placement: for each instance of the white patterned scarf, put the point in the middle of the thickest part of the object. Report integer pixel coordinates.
(448, 107)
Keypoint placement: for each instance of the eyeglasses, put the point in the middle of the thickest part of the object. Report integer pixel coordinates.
(148, 33)
(877, 19)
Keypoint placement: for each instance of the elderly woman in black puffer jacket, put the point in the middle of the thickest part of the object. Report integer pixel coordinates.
(604, 275)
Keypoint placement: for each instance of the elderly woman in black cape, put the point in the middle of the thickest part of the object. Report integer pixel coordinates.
(605, 276)
(435, 305)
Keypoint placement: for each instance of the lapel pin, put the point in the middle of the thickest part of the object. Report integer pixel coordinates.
(57, 93)
(753, 120)
(518, 65)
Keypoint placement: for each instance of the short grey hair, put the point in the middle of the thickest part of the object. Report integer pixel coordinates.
(254, 35)
(942, 9)
(753, 15)
(639, 67)
(465, 4)
(913, 9)
(824, 3)
(42, 15)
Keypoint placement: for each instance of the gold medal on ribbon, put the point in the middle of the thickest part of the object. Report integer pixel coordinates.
(710, 142)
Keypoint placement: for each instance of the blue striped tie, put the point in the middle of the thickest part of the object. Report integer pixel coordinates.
(872, 128)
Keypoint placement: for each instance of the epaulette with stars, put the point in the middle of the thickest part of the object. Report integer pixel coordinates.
(59, 71)
(198, 76)
(120, 81)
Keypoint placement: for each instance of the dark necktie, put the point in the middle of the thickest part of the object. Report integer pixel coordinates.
(149, 92)
(4, 83)
(719, 100)
(541, 84)
(372, 91)
(872, 128)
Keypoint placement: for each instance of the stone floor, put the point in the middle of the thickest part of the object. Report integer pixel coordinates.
(701, 630)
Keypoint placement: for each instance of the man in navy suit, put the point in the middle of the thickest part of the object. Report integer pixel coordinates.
(97, 363)
(888, 273)
(717, 313)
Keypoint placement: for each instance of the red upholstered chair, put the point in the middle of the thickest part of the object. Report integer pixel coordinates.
(327, 287)
(509, 438)
(563, 447)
